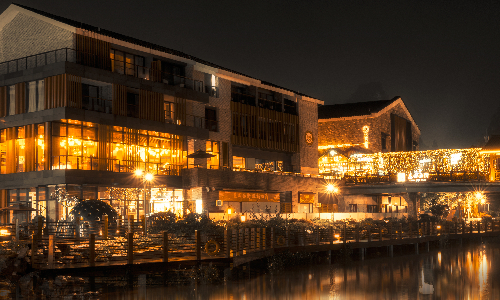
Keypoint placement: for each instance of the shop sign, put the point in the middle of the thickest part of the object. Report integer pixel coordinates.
(248, 196)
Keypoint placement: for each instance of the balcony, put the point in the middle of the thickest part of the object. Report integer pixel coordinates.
(88, 59)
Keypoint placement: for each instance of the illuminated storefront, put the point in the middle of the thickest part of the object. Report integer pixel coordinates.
(71, 144)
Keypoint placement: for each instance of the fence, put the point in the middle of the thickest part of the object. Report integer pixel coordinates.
(74, 244)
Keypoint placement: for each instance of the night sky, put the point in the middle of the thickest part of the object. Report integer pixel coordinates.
(441, 57)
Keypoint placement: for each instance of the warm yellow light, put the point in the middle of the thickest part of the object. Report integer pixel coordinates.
(337, 235)
(148, 176)
(4, 232)
(243, 218)
(401, 177)
(438, 227)
(229, 211)
(138, 172)
(331, 188)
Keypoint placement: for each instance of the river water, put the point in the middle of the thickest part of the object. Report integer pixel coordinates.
(467, 272)
(455, 272)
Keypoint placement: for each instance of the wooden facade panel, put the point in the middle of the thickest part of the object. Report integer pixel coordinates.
(30, 132)
(151, 106)
(180, 111)
(263, 128)
(63, 91)
(20, 98)
(119, 103)
(155, 71)
(4, 99)
(93, 52)
(10, 155)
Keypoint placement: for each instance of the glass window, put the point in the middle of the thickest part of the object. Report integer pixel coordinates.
(41, 95)
(31, 95)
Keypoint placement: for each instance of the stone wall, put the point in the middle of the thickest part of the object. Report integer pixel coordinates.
(350, 130)
(25, 35)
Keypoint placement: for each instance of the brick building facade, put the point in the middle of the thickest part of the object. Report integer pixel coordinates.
(82, 108)
(379, 126)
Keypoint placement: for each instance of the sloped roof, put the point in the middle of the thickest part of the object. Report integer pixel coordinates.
(353, 109)
(493, 144)
(142, 43)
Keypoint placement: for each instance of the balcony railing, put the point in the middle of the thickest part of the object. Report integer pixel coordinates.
(74, 162)
(89, 59)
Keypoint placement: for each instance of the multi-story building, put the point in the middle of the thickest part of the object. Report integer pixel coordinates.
(83, 108)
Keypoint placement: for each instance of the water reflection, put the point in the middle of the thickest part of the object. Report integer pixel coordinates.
(470, 272)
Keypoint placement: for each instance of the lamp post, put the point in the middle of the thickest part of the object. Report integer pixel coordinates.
(146, 179)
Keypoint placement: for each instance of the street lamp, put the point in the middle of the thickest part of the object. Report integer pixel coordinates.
(146, 179)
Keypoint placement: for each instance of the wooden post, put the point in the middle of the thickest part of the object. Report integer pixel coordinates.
(165, 245)
(92, 249)
(400, 231)
(317, 235)
(34, 249)
(357, 234)
(39, 228)
(105, 231)
(198, 244)
(130, 248)
(264, 240)
(345, 233)
(17, 230)
(77, 228)
(330, 234)
(51, 251)
(227, 242)
(272, 238)
(237, 246)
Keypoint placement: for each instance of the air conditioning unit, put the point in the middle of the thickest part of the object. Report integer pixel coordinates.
(218, 202)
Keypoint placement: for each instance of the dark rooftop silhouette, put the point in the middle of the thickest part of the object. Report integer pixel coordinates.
(353, 109)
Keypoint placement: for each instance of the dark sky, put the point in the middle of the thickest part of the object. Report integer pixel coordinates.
(441, 57)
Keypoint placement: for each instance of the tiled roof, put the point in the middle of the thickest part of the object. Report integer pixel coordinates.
(139, 42)
(353, 109)
(493, 143)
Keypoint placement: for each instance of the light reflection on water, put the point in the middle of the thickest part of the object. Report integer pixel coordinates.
(466, 273)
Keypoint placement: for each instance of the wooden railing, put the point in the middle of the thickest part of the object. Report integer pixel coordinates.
(77, 244)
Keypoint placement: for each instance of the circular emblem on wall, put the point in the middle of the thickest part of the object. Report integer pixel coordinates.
(309, 138)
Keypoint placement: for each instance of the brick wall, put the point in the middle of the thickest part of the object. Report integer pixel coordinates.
(307, 158)
(26, 35)
(351, 131)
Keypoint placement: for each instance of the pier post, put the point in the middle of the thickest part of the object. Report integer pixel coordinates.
(130, 223)
(198, 244)
(391, 251)
(39, 224)
(236, 249)
(77, 228)
(165, 245)
(357, 233)
(130, 248)
(92, 249)
(34, 249)
(390, 230)
(272, 238)
(105, 231)
(317, 235)
(51, 252)
(227, 243)
(17, 230)
(345, 233)
(287, 233)
(362, 253)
